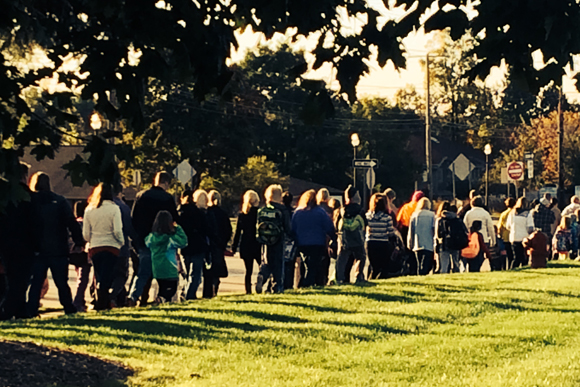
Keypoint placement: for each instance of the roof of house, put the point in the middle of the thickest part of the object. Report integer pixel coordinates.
(443, 149)
(297, 187)
(59, 180)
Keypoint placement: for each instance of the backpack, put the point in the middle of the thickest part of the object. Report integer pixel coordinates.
(269, 228)
(472, 250)
(561, 241)
(351, 231)
(455, 235)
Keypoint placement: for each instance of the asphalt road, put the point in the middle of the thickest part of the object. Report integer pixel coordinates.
(234, 283)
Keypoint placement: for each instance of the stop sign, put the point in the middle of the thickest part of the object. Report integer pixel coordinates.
(515, 170)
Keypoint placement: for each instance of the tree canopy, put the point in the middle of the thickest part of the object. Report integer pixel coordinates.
(122, 46)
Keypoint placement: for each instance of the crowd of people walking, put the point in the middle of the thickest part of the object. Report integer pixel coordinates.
(293, 247)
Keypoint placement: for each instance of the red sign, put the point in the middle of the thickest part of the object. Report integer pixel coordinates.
(515, 170)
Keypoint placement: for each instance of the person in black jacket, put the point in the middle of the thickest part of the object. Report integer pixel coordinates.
(147, 204)
(245, 236)
(56, 220)
(220, 234)
(19, 242)
(193, 220)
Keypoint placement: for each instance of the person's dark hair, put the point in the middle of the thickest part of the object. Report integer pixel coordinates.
(334, 204)
(378, 203)
(452, 208)
(535, 202)
(24, 169)
(477, 201)
(510, 202)
(162, 178)
(79, 208)
(350, 192)
(444, 206)
(163, 223)
(40, 182)
(117, 188)
(287, 199)
(521, 205)
(475, 226)
(554, 202)
(390, 194)
(101, 192)
(188, 196)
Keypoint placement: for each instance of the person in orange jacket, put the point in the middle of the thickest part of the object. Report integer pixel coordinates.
(405, 212)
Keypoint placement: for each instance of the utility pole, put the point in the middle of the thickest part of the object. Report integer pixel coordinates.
(560, 153)
(428, 132)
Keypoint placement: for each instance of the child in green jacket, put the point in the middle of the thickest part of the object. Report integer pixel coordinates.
(165, 238)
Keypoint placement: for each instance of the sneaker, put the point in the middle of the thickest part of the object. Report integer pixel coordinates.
(259, 283)
(131, 303)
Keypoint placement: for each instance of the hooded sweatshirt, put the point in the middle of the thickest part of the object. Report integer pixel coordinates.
(164, 252)
(405, 213)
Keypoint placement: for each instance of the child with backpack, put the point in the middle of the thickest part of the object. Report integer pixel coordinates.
(351, 226)
(163, 241)
(562, 241)
(474, 254)
(452, 237)
(272, 228)
(499, 257)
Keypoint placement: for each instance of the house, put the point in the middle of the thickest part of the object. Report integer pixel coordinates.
(59, 180)
(469, 165)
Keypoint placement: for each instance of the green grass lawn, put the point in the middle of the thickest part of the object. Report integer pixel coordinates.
(519, 328)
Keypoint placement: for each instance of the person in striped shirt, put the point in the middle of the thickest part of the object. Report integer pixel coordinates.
(379, 233)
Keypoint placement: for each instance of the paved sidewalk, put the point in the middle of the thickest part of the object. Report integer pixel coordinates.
(234, 283)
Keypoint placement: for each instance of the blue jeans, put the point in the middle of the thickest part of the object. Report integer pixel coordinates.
(59, 269)
(273, 266)
(445, 259)
(194, 266)
(143, 275)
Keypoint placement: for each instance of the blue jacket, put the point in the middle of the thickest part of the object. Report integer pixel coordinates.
(310, 227)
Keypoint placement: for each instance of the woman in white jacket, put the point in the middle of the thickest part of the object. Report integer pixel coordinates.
(520, 224)
(421, 235)
(103, 230)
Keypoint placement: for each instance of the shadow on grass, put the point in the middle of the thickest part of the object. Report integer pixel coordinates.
(33, 365)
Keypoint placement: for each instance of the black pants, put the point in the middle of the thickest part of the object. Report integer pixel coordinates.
(510, 255)
(473, 265)
(289, 273)
(520, 255)
(379, 253)
(424, 261)
(167, 288)
(211, 284)
(58, 266)
(18, 274)
(313, 259)
(104, 265)
(497, 264)
(249, 264)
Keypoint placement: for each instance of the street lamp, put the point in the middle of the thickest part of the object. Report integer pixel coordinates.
(355, 141)
(487, 151)
(96, 122)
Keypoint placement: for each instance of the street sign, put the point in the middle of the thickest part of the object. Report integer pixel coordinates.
(184, 172)
(504, 176)
(371, 179)
(529, 157)
(462, 167)
(365, 163)
(515, 171)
